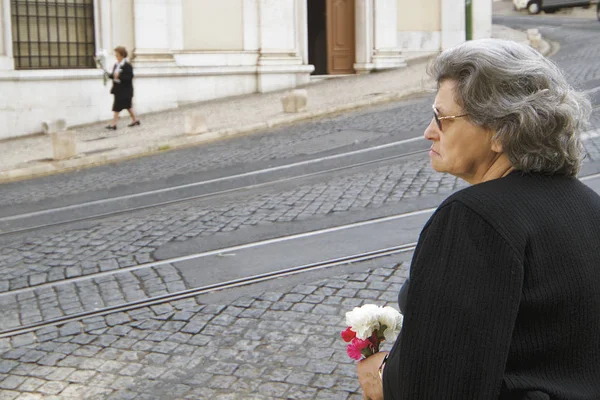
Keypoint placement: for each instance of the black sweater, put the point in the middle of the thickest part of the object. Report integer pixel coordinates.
(124, 88)
(504, 296)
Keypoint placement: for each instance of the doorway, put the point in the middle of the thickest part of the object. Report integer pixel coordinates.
(331, 36)
(317, 36)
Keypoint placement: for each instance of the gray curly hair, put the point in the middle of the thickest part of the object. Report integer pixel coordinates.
(523, 97)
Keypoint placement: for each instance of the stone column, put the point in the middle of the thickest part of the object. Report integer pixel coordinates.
(386, 53)
(103, 31)
(6, 54)
(157, 27)
(482, 19)
(175, 22)
(364, 36)
(278, 54)
(453, 23)
(250, 21)
(302, 30)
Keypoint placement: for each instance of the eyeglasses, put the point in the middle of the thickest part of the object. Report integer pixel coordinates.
(438, 119)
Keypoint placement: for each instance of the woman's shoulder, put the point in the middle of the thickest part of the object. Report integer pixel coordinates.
(457, 216)
(499, 203)
(485, 197)
(518, 190)
(514, 204)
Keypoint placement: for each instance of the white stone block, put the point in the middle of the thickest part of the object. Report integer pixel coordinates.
(536, 43)
(195, 123)
(535, 38)
(532, 32)
(295, 101)
(57, 125)
(63, 145)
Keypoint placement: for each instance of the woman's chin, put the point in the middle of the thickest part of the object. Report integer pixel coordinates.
(436, 166)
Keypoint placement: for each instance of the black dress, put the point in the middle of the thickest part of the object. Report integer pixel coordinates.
(122, 90)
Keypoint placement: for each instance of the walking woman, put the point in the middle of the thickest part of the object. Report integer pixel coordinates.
(122, 89)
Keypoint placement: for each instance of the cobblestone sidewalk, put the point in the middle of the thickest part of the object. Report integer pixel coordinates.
(32, 156)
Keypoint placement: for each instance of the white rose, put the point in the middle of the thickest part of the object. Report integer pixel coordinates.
(101, 53)
(363, 320)
(392, 320)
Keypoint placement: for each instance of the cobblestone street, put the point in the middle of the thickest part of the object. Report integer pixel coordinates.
(276, 340)
(272, 345)
(281, 143)
(124, 242)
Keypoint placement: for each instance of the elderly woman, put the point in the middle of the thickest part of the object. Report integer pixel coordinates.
(122, 88)
(504, 293)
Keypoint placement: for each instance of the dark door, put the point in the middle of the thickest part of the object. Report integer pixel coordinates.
(317, 36)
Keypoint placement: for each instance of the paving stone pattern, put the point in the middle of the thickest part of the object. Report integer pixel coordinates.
(579, 54)
(274, 345)
(190, 349)
(126, 241)
(279, 143)
(122, 242)
(47, 303)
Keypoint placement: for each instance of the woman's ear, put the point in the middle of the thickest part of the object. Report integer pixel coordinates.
(496, 145)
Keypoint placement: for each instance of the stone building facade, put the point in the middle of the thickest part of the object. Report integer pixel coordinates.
(186, 51)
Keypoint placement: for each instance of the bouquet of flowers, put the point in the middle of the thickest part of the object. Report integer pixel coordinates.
(368, 327)
(100, 59)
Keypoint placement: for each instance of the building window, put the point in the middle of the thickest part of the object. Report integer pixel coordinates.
(53, 33)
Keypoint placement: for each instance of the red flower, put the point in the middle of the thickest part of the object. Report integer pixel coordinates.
(355, 348)
(348, 335)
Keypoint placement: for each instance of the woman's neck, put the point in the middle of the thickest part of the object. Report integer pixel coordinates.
(499, 168)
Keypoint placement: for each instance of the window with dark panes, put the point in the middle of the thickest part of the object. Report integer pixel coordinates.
(53, 33)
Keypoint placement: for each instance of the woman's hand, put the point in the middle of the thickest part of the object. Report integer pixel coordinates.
(116, 74)
(368, 376)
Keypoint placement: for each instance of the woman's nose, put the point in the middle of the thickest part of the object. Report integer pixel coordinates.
(432, 131)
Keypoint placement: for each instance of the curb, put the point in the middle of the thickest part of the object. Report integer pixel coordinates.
(54, 167)
(552, 48)
(77, 163)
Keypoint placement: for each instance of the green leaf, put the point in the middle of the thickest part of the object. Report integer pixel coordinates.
(366, 352)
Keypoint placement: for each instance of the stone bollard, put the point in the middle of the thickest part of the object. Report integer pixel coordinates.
(295, 101)
(531, 32)
(58, 125)
(195, 123)
(535, 38)
(63, 145)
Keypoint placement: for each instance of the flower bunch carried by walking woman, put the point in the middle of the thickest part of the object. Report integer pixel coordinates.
(122, 88)
(100, 60)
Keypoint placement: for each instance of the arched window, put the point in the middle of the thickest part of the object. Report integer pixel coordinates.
(53, 33)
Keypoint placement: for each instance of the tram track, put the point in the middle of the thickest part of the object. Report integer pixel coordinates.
(219, 252)
(90, 210)
(184, 294)
(249, 279)
(296, 239)
(105, 208)
(118, 205)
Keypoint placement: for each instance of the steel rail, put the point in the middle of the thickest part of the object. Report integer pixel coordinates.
(219, 251)
(585, 136)
(179, 295)
(180, 200)
(184, 294)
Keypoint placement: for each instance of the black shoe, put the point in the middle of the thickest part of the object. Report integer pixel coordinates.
(136, 123)
(111, 127)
